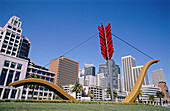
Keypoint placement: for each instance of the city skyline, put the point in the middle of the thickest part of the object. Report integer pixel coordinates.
(55, 27)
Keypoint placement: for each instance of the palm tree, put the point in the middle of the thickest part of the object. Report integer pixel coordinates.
(114, 93)
(160, 95)
(76, 88)
(139, 94)
(33, 85)
(151, 98)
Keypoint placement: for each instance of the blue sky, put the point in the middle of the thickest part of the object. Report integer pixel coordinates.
(54, 27)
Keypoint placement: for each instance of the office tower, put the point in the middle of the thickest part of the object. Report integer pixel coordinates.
(81, 72)
(135, 73)
(158, 76)
(11, 40)
(100, 80)
(81, 76)
(127, 63)
(81, 80)
(120, 83)
(11, 69)
(89, 69)
(90, 80)
(40, 92)
(66, 70)
(115, 70)
(89, 74)
(164, 88)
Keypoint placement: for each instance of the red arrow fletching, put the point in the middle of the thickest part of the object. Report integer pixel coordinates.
(106, 43)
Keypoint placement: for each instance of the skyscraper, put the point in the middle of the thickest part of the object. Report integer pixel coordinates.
(89, 72)
(158, 76)
(127, 63)
(115, 70)
(66, 70)
(135, 73)
(11, 41)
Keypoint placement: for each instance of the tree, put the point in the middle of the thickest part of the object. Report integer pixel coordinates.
(139, 94)
(76, 88)
(33, 85)
(160, 95)
(151, 97)
(114, 92)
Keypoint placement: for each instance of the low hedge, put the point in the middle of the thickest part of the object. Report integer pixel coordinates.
(73, 102)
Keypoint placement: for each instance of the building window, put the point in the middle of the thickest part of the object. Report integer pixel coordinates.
(14, 29)
(51, 80)
(19, 66)
(15, 23)
(13, 53)
(5, 41)
(6, 37)
(6, 93)
(6, 63)
(17, 37)
(47, 79)
(9, 26)
(12, 21)
(7, 33)
(4, 46)
(17, 74)
(35, 93)
(48, 74)
(3, 76)
(10, 76)
(13, 35)
(43, 73)
(39, 72)
(40, 93)
(24, 92)
(9, 47)
(15, 45)
(45, 94)
(52, 75)
(8, 52)
(42, 77)
(13, 64)
(13, 93)
(41, 88)
(2, 50)
(19, 31)
(19, 24)
(10, 43)
(46, 89)
(11, 39)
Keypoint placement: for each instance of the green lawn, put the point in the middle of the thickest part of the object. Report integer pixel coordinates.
(24, 106)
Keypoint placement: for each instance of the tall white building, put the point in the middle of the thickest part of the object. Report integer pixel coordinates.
(120, 83)
(90, 80)
(81, 72)
(158, 76)
(11, 41)
(127, 63)
(135, 73)
(100, 80)
(13, 48)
